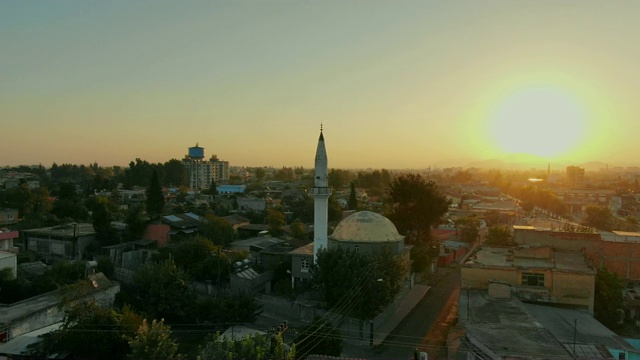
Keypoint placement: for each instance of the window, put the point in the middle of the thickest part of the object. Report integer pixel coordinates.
(356, 249)
(533, 279)
(304, 265)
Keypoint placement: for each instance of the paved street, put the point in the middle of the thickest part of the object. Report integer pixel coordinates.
(424, 327)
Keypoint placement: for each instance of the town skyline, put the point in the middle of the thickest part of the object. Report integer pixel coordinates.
(396, 85)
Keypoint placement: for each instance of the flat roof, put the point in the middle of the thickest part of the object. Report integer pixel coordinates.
(564, 260)
(77, 229)
(6, 254)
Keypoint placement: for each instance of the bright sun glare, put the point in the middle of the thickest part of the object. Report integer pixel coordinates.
(541, 121)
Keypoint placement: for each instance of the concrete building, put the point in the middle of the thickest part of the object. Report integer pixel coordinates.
(9, 260)
(202, 173)
(493, 324)
(68, 241)
(538, 274)
(41, 311)
(7, 238)
(575, 177)
(8, 217)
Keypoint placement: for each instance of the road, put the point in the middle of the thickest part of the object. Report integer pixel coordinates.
(426, 325)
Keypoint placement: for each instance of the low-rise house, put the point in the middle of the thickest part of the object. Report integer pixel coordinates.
(183, 224)
(68, 241)
(539, 274)
(9, 260)
(7, 238)
(8, 217)
(493, 324)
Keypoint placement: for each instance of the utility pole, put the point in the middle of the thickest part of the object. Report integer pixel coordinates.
(575, 332)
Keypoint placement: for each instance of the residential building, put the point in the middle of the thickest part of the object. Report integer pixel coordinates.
(575, 177)
(202, 173)
(68, 241)
(6, 240)
(8, 217)
(538, 274)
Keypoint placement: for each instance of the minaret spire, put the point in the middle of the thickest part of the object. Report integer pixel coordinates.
(321, 193)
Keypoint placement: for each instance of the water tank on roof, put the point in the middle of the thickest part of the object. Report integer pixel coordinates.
(196, 152)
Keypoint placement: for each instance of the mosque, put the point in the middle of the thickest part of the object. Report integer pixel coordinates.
(363, 231)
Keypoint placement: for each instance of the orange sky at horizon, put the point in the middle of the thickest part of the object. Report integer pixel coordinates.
(407, 84)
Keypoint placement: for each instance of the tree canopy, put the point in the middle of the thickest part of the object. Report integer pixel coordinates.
(499, 236)
(608, 301)
(358, 283)
(415, 206)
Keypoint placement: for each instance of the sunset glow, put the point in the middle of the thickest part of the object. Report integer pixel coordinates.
(540, 120)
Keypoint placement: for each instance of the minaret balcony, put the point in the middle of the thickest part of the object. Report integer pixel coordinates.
(321, 191)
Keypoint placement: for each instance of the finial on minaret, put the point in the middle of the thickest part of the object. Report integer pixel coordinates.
(321, 127)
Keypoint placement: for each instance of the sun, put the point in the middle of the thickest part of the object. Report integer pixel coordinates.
(543, 121)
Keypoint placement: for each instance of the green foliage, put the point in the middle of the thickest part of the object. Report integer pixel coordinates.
(59, 274)
(136, 222)
(499, 236)
(200, 257)
(259, 173)
(608, 301)
(416, 205)
(153, 342)
(88, 331)
(217, 230)
(259, 347)
(174, 173)
(468, 229)
(338, 178)
(353, 200)
(105, 266)
(531, 196)
(599, 217)
(229, 309)
(155, 197)
(357, 283)
(334, 212)
(319, 338)
(160, 290)
(276, 221)
(297, 229)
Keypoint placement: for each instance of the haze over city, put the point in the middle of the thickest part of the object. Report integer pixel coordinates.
(404, 84)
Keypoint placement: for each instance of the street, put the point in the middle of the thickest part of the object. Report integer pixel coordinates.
(426, 325)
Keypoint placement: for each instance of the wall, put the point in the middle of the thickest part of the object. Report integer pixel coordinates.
(51, 314)
(479, 278)
(575, 289)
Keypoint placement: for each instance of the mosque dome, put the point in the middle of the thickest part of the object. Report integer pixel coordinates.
(366, 226)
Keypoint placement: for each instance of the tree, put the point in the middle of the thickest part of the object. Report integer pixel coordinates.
(297, 229)
(468, 228)
(599, 217)
(155, 198)
(353, 200)
(83, 336)
(216, 229)
(160, 290)
(415, 206)
(358, 283)
(499, 236)
(319, 338)
(229, 309)
(136, 222)
(174, 173)
(258, 347)
(275, 219)
(260, 173)
(153, 342)
(608, 301)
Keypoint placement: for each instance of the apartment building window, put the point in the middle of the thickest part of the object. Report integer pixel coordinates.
(533, 279)
(304, 265)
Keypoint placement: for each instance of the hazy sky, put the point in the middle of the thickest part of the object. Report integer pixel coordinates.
(396, 84)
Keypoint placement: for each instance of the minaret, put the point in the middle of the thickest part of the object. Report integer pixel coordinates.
(321, 193)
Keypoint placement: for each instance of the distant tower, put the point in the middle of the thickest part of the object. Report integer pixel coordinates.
(196, 154)
(321, 193)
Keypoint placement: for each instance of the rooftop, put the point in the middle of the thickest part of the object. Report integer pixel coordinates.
(70, 230)
(366, 226)
(529, 257)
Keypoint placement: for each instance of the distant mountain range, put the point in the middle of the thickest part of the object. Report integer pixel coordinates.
(529, 161)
